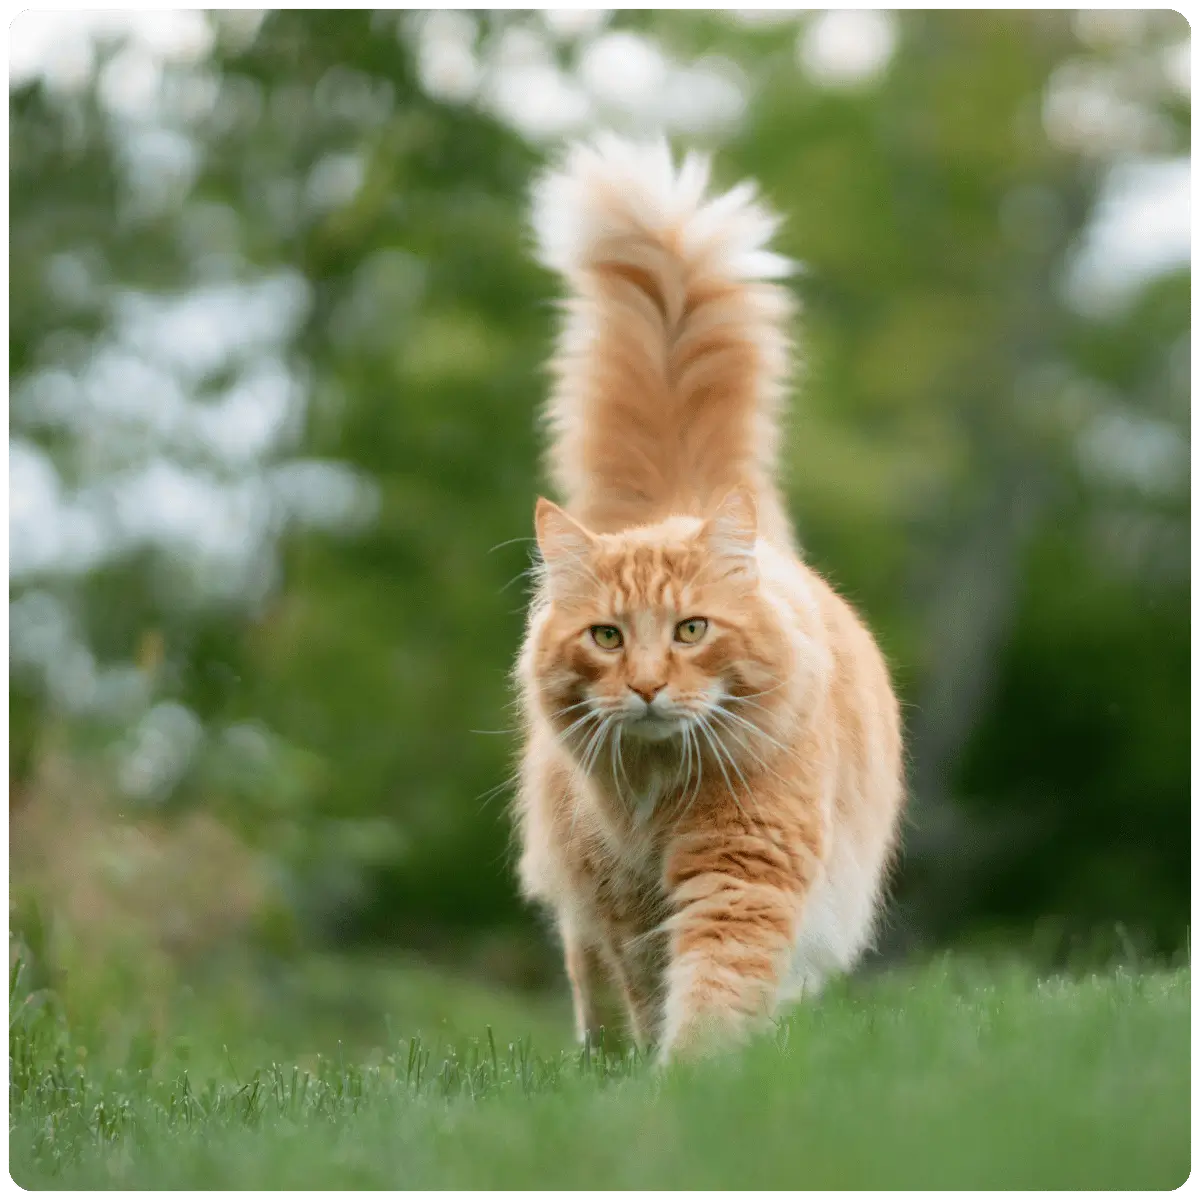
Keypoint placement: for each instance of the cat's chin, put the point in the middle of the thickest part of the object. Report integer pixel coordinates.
(653, 728)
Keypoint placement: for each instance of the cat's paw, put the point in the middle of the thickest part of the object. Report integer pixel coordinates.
(700, 1036)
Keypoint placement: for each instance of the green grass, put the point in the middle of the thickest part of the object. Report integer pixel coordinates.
(942, 1077)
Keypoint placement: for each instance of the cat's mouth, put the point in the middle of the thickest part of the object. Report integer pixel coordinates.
(654, 727)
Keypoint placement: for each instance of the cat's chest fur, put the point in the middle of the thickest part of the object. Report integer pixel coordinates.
(628, 847)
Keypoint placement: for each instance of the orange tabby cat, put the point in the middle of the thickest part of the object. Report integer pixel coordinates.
(712, 778)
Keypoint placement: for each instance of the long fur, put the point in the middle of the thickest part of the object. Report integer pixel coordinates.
(711, 778)
(673, 352)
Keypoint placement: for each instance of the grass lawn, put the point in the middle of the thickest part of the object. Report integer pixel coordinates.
(944, 1077)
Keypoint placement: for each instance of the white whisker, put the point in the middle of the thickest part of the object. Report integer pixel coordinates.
(755, 695)
(695, 756)
(710, 737)
(685, 761)
(510, 542)
(742, 741)
(617, 741)
(749, 750)
(614, 750)
(738, 771)
(564, 737)
(492, 792)
(755, 729)
(528, 573)
(562, 712)
(585, 763)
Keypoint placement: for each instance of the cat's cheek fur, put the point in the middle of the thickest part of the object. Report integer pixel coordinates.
(561, 671)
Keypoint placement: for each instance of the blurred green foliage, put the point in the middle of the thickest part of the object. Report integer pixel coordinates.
(994, 470)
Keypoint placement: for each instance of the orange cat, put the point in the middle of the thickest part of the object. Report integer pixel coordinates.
(712, 774)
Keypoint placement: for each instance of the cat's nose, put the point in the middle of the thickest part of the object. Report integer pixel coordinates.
(647, 691)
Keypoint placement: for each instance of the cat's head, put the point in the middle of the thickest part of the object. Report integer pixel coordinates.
(659, 628)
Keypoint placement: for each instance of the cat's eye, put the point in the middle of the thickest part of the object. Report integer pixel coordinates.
(689, 632)
(607, 637)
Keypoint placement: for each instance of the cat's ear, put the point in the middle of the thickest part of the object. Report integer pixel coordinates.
(564, 543)
(731, 532)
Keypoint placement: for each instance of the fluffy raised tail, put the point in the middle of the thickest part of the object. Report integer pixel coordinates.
(670, 366)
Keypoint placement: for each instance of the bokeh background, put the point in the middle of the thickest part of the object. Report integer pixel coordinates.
(276, 346)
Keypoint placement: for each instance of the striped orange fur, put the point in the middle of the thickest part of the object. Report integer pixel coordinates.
(711, 781)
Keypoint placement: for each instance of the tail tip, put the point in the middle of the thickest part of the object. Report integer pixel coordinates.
(609, 188)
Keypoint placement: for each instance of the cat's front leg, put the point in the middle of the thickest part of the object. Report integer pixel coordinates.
(638, 973)
(582, 963)
(737, 896)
